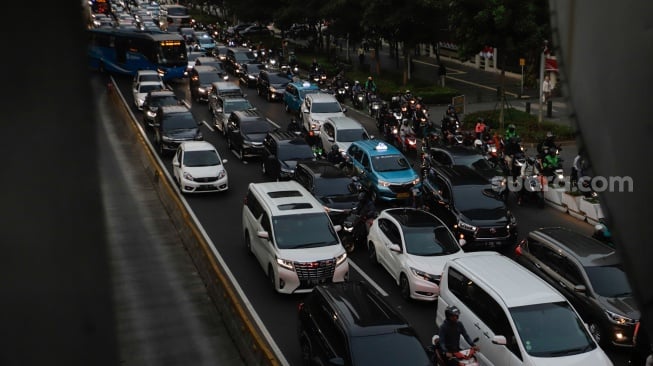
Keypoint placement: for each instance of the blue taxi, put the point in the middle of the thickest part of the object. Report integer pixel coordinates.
(384, 170)
(294, 95)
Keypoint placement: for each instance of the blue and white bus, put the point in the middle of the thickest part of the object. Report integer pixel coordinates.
(174, 16)
(126, 52)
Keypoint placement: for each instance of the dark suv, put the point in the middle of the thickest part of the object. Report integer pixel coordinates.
(236, 56)
(347, 323)
(468, 204)
(330, 185)
(590, 275)
(272, 85)
(201, 81)
(174, 124)
(246, 131)
(282, 151)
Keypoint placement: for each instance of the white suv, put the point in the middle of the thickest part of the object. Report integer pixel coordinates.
(518, 318)
(341, 131)
(292, 237)
(317, 107)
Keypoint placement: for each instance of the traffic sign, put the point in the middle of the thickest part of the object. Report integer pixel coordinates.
(522, 61)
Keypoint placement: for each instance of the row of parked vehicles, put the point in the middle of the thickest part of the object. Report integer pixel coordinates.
(430, 245)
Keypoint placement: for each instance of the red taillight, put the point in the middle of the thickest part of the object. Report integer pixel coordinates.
(300, 306)
(635, 333)
(518, 250)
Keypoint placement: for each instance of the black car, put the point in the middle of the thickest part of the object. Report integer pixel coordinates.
(212, 61)
(330, 185)
(282, 151)
(236, 56)
(590, 275)
(272, 85)
(463, 155)
(154, 100)
(468, 204)
(201, 81)
(174, 124)
(246, 131)
(249, 74)
(347, 323)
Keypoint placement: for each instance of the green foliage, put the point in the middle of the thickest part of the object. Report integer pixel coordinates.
(526, 124)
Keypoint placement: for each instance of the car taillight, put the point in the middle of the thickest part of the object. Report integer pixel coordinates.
(300, 307)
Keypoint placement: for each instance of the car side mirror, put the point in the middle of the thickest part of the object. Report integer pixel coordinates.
(218, 110)
(224, 161)
(176, 163)
(331, 139)
(395, 247)
(580, 289)
(263, 234)
(337, 227)
(498, 339)
(344, 110)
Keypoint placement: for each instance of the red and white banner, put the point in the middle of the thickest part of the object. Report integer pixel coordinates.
(550, 61)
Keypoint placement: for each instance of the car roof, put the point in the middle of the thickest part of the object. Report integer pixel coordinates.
(323, 169)
(460, 175)
(225, 85)
(514, 284)
(174, 109)
(250, 114)
(322, 98)
(412, 217)
(362, 310)
(197, 146)
(586, 250)
(305, 85)
(147, 72)
(344, 122)
(161, 93)
(287, 198)
(457, 150)
(376, 147)
(205, 68)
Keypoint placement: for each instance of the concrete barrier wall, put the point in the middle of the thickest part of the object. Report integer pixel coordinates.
(254, 342)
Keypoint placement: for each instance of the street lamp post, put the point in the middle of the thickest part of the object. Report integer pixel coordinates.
(542, 55)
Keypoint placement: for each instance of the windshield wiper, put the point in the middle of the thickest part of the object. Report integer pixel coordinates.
(571, 351)
(623, 294)
(307, 245)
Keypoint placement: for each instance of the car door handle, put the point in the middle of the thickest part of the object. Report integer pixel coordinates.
(537, 265)
(562, 284)
(487, 335)
(477, 326)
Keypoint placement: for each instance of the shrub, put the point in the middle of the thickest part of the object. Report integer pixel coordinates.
(526, 124)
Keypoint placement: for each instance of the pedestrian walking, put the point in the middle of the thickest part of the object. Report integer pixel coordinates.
(442, 73)
(547, 87)
(361, 55)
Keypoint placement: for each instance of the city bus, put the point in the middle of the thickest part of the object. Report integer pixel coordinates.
(174, 16)
(126, 52)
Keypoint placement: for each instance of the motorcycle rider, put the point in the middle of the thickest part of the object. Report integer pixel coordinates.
(509, 150)
(480, 128)
(335, 156)
(450, 332)
(510, 132)
(550, 162)
(547, 144)
(527, 170)
(405, 130)
(420, 120)
(370, 87)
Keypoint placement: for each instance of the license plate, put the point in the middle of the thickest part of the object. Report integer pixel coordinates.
(403, 195)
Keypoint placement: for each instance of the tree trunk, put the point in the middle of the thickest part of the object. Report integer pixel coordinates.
(377, 56)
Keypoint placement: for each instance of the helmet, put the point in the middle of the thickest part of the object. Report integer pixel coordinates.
(369, 78)
(418, 106)
(450, 311)
(407, 91)
(335, 148)
(530, 160)
(361, 196)
(356, 82)
(511, 126)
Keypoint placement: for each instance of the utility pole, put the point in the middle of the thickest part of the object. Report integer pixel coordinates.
(542, 55)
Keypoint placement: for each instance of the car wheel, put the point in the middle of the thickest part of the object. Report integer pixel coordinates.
(273, 282)
(286, 107)
(307, 354)
(595, 330)
(268, 97)
(265, 172)
(248, 243)
(241, 151)
(404, 286)
(372, 253)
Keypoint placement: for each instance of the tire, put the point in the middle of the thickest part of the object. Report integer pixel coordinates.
(273, 282)
(241, 151)
(248, 244)
(265, 172)
(404, 287)
(286, 108)
(371, 249)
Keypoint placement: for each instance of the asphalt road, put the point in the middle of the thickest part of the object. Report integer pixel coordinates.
(220, 215)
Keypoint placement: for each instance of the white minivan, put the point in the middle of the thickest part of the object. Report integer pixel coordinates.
(292, 237)
(519, 318)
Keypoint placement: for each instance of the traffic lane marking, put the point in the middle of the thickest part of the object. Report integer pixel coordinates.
(367, 278)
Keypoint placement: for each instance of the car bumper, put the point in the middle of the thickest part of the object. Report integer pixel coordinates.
(218, 185)
(620, 335)
(393, 194)
(289, 283)
(276, 96)
(252, 151)
(421, 289)
(498, 243)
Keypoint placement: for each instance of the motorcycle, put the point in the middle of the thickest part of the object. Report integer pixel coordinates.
(315, 75)
(533, 190)
(603, 234)
(407, 143)
(359, 100)
(464, 357)
(374, 105)
(355, 228)
(294, 127)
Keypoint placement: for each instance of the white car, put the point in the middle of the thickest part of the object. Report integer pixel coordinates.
(317, 107)
(341, 131)
(197, 167)
(413, 246)
(146, 75)
(141, 89)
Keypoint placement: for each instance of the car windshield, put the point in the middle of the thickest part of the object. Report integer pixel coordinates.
(210, 77)
(278, 79)
(148, 88)
(551, 330)
(295, 151)
(303, 231)
(201, 158)
(430, 241)
(609, 281)
(475, 197)
(479, 164)
(401, 347)
(256, 127)
(163, 101)
(329, 107)
(149, 77)
(244, 56)
(236, 105)
(389, 163)
(328, 187)
(179, 121)
(304, 92)
(351, 135)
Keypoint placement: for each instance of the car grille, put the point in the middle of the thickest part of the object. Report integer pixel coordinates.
(313, 273)
(492, 233)
(400, 188)
(206, 179)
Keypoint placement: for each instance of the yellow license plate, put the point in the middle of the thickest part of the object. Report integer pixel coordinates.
(403, 195)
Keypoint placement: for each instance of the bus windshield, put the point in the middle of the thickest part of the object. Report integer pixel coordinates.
(173, 55)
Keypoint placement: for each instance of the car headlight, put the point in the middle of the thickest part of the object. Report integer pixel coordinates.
(141, 101)
(188, 176)
(287, 170)
(287, 264)
(251, 77)
(341, 259)
(222, 174)
(383, 183)
(465, 226)
(150, 113)
(201, 90)
(619, 319)
(425, 276)
(415, 181)
(273, 90)
(247, 143)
